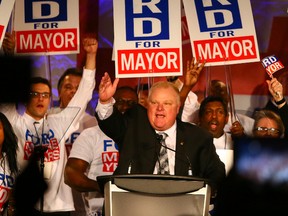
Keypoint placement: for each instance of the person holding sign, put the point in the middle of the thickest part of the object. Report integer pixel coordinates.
(277, 103)
(9, 43)
(276, 90)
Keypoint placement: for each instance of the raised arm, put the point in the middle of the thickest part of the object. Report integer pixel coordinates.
(276, 90)
(90, 46)
(193, 71)
(87, 84)
(107, 89)
(75, 109)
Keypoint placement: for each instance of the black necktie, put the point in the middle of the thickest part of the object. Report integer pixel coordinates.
(163, 166)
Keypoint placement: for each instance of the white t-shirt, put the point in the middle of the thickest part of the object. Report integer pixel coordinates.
(85, 122)
(54, 130)
(224, 148)
(101, 152)
(6, 182)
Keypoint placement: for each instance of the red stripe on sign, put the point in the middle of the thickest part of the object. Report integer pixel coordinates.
(1, 30)
(142, 61)
(46, 40)
(226, 49)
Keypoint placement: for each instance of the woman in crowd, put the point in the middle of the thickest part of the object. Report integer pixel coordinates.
(268, 124)
(8, 165)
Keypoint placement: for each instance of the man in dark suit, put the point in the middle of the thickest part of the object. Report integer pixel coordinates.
(135, 132)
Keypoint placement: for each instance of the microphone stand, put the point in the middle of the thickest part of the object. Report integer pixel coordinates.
(40, 152)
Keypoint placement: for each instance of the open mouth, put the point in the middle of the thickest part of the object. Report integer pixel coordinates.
(160, 115)
(213, 125)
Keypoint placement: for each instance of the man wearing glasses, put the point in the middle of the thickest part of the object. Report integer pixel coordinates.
(125, 97)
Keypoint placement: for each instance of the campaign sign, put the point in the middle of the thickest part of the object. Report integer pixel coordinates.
(47, 27)
(271, 64)
(6, 7)
(222, 32)
(147, 38)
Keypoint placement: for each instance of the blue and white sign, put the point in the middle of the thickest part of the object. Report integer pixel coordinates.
(47, 27)
(222, 31)
(147, 38)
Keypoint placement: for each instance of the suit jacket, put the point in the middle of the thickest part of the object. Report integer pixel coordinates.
(139, 147)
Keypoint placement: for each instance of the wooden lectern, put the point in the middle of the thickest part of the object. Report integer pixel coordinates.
(154, 195)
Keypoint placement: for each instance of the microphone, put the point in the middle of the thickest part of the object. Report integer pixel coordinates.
(129, 167)
(159, 138)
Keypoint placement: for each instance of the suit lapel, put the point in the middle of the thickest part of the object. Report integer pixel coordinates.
(181, 163)
(150, 150)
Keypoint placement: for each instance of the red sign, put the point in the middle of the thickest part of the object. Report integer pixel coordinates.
(46, 40)
(226, 49)
(272, 64)
(148, 60)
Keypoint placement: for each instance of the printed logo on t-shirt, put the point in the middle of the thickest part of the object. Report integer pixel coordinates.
(48, 142)
(6, 183)
(69, 142)
(110, 156)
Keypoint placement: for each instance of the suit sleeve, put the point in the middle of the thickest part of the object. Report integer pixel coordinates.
(205, 160)
(114, 126)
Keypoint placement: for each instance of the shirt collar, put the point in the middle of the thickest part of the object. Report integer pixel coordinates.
(171, 131)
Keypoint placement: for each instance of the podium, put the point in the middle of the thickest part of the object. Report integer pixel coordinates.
(154, 195)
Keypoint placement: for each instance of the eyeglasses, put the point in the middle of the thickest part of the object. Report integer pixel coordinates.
(128, 102)
(263, 130)
(39, 95)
